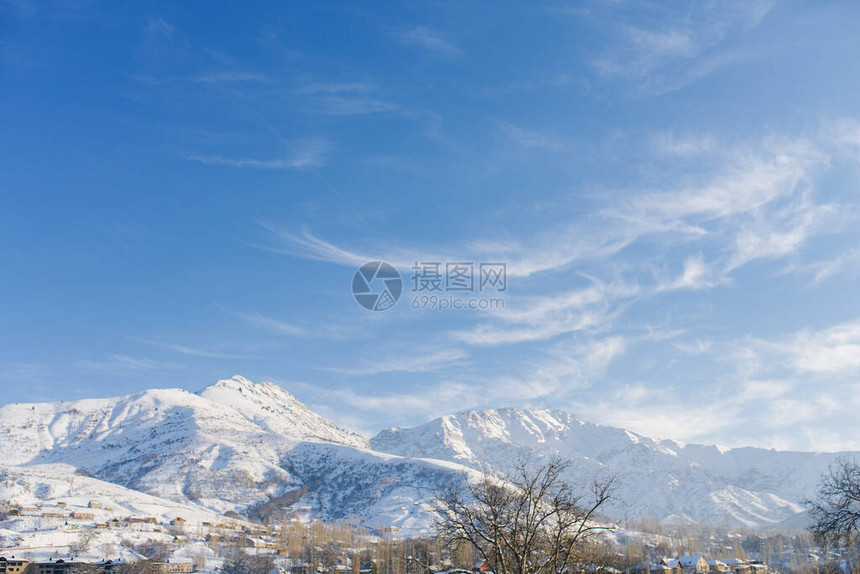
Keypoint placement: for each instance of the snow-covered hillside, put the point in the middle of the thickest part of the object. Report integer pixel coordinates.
(59, 509)
(256, 450)
(664, 479)
(234, 446)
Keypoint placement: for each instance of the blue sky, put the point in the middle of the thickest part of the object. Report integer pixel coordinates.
(186, 195)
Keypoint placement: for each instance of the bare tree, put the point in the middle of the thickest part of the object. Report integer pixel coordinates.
(836, 509)
(530, 522)
(241, 563)
(137, 567)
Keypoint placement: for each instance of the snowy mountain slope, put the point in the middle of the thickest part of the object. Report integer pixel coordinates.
(233, 446)
(384, 489)
(275, 410)
(49, 494)
(169, 443)
(662, 479)
(255, 449)
(46, 486)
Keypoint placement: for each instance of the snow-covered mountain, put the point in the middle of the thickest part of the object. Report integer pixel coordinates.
(234, 446)
(662, 479)
(256, 450)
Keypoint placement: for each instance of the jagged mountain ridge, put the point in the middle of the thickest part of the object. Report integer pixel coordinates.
(256, 449)
(235, 445)
(662, 479)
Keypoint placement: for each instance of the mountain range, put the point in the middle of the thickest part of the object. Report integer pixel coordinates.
(254, 449)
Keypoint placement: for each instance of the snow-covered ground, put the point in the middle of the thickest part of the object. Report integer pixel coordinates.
(49, 496)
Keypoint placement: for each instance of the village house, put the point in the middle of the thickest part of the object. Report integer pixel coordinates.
(250, 542)
(174, 567)
(62, 504)
(107, 566)
(694, 564)
(673, 563)
(78, 515)
(58, 567)
(718, 566)
(178, 521)
(94, 505)
(12, 566)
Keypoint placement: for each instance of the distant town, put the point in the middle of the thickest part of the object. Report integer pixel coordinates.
(96, 538)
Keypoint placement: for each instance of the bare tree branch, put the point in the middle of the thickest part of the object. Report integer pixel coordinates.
(530, 522)
(836, 510)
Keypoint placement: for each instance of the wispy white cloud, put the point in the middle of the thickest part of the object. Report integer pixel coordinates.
(269, 323)
(335, 105)
(744, 203)
(661, 411)
(760, 198)
(296, 163)
(10, 372)
(782, 233)
(185, 350)
(696, 274)
(229, 77)
(123, 363)
(574, 364)
(336, 87)
(697, 347)
(528, 138)
(684, 145)
(845, 134)
(308, 154)
(750, 177)
(410, 361)
(160, 27)
(847, 263)
(444, 396)
(755, 200)
(334, 98)
(589, 309)
(429, 39)
(552, 251)
(687, 45)
(832, 351)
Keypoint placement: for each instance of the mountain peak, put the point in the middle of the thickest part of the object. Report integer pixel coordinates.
(235, 382)
(275, 409)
